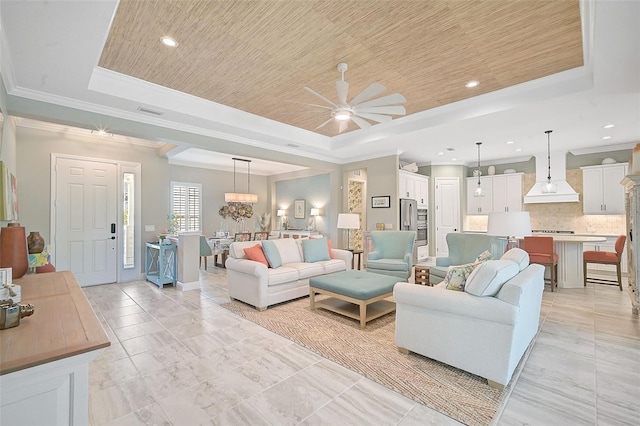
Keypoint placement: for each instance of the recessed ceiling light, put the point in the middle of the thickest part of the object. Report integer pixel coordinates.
(168, 41)
(102, 133)
(454, 159)
(606, 137)
(608, 126)
(451, 149)
(441, 153)
(509, 142)
(518, 149)
(472, 83)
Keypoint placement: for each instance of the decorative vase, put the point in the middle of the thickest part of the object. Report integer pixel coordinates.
(35, 242)
(13, 249)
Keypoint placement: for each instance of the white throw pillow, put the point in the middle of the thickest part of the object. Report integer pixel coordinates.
(488, 277)
(517, 255)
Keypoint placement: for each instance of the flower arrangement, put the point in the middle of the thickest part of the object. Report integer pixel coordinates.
(236, 211)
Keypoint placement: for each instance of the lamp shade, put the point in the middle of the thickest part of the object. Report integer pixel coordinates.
(348, 221)
(509, 224)
(280, 212)
(239, 197)
(314, 212)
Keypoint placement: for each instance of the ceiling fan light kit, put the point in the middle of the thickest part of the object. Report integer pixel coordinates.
(362, 108)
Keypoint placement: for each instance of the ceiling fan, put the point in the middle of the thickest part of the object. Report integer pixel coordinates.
(361, 108)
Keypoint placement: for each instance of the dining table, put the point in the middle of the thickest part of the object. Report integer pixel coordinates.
(219, 249)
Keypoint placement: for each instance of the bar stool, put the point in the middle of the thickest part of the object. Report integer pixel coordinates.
(205, 250)
(605, 258)
(542, 252)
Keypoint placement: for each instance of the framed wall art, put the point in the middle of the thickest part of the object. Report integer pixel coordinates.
(381, 202)
(299, 209)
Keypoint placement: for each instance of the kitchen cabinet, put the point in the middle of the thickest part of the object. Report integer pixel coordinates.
(507, 193)
(609, 245)
(414, 186)
(501, 193)
(602, 192)
(482, 204)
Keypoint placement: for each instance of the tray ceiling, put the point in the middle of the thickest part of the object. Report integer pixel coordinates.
(255, 55)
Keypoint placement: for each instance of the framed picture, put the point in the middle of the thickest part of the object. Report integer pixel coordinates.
(299, 209)
(381, 202)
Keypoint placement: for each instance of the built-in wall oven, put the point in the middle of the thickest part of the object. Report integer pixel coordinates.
(422, 235)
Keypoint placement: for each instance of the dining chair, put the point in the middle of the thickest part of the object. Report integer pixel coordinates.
(258, 236)
(242, 236)
(541, 251)
(605, 258)
(205, 250)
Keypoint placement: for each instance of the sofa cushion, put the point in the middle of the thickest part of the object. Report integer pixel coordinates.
(289, 250)
(387, 264)
(271, 253)
(484, 256)
(315, 250)
(333, 265)
(487, 278)
(282, 275)
(517, 255)
(307, 269)
(457, 276)
(256, 253)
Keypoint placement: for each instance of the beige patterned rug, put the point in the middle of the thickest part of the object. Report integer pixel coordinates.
(372, 352)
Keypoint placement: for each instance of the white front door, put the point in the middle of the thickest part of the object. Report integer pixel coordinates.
(85, 204)
(447, 212)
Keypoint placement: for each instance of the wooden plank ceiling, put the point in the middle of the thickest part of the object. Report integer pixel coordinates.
(254, 55)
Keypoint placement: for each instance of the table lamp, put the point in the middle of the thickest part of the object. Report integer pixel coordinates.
(280, 213)
(510, 225)
(314, 213)
(348, 221)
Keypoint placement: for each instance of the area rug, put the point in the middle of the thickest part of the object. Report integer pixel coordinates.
(372, 352)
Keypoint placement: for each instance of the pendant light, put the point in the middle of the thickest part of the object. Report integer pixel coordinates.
(241, 197)
(549, 187)
(478, 192)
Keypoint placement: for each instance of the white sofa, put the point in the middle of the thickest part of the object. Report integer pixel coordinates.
(485, 333)
(261, 286)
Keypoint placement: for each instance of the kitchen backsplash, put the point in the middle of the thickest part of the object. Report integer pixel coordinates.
(560, 216)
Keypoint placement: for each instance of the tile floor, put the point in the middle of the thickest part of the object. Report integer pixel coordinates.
(179, 358)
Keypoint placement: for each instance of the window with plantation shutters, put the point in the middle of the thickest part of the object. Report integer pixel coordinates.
(186, 205)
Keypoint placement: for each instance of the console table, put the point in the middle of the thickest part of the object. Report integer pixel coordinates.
(44, 362)
(161, 264)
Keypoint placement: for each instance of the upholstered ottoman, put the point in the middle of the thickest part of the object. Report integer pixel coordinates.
(355, 294)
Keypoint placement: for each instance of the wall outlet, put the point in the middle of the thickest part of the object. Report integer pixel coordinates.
(149, 228)
(388, 226)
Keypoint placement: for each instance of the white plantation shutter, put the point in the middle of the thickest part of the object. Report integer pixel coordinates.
(186, 204)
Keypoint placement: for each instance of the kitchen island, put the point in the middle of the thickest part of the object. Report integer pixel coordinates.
(569, 249)
(44, 361)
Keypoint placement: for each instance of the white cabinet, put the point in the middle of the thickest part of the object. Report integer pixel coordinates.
(507, 193)
(414, 186)
(602, 191)
(609, 245)
(479, 204)
(500, 193)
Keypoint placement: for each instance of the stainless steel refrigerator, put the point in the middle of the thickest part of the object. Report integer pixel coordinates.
(408, 214)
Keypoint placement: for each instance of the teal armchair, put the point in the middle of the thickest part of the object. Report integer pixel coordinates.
(205, 250)
(463, 249)
(393, 253)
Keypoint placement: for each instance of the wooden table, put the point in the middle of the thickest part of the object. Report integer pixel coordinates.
(44, 361)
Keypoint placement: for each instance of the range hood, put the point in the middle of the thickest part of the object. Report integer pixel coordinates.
(564, 194)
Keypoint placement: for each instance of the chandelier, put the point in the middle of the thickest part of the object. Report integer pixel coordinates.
(239, 204)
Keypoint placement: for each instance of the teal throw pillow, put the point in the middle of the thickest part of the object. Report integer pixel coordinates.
(271, 253)
(315, 250)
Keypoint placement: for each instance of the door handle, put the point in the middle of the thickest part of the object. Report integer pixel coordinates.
(113, 229)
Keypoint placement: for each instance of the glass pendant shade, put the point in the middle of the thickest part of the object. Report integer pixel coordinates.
(478, 192)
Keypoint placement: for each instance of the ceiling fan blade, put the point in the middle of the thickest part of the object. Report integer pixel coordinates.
(371, 91)
(364, 124)
(315, 111)
(325, 123)
(374, 117)
(393, 99)
(342, 87)
(304, 103)
(392, 109)
(343, 126)
(313, 92)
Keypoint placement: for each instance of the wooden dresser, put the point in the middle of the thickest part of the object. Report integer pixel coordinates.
(44, 362)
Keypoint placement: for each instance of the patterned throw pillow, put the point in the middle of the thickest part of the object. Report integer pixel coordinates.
(457, 276)
(484, 256)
